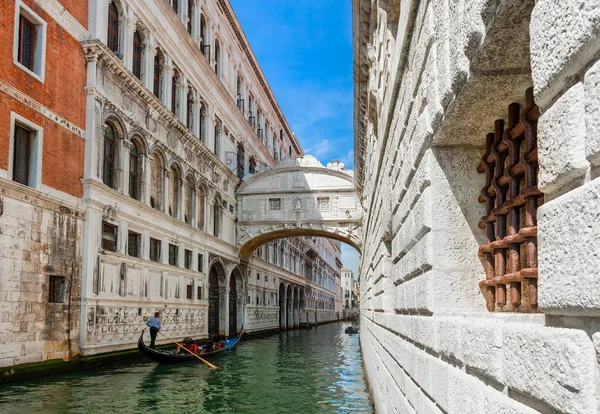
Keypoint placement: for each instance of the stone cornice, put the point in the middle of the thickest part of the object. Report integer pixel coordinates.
(361, 22)
(64, 19)
(38, 198)
(97, 51)
(226, 8)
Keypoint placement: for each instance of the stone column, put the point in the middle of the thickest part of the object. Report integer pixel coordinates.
(167, 75)
(290, 312)
(93, 120)
(125, 150)
(129, 23)
(146, 178)
(148, 55)
(196, 117)
(98, 21)
(179, 213)
(182, 99)
(182, 13)
(194, 198)
(165, 198)
(283, 321)
(296, 313)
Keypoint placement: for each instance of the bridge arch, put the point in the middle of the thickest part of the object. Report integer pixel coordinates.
(300, 197)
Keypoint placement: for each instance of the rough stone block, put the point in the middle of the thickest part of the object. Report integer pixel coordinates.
(564, 37)
(561, 141)
(569, 264)
(592, 114)
(482, 347)
(553, 365)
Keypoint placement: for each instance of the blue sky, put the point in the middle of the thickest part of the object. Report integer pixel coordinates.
(305, 50)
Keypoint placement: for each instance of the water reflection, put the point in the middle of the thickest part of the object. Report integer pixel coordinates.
(316, 371)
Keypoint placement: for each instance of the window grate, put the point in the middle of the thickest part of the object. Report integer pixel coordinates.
(322, 203)
(511, 195)
(26, 43)
(275, 204)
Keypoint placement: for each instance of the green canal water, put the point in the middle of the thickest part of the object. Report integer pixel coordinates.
(304, 371)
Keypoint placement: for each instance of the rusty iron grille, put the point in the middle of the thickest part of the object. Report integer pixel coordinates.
(511, 196)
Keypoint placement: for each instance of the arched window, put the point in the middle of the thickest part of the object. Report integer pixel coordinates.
(203, 123)
(108, 165)
(217, 216)
(174, 183)
(218, 139)
(113, 28)
(190, 15)
(137, 54)
(174, 91)
(157, 182)
(158, 61)
(190, 109)
(189, 200)
(201, 207)
(204, 46)
(217, 58)
(135, 176)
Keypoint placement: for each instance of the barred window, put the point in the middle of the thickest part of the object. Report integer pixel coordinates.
(200, 262)
(512, 198)
(189, 292)
(27, 36)
(275, 204)
(57, 288)
(199, 293)
(322, 203)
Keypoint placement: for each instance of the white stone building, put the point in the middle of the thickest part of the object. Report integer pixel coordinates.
(480, 282)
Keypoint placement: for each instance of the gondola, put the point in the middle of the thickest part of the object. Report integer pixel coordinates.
(173, 357)
(351, 330)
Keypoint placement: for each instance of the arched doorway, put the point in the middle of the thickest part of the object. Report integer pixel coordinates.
(232, 305)
(282, 317)
(213, 298)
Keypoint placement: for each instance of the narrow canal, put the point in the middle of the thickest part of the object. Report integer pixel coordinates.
(302, 371)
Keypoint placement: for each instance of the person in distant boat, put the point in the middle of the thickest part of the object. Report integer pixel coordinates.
(190, 345)
(154, 324)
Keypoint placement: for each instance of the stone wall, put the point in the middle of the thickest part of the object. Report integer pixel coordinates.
(431, 79)
(39, 240)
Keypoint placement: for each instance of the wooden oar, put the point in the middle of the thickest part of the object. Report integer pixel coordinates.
(187, 350)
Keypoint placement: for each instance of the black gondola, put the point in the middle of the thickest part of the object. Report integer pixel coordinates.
(172, 356)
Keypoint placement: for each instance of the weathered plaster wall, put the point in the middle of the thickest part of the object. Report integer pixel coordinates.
(431, 78)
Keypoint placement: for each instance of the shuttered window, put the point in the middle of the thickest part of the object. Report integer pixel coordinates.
(113, 28)
(22, 155)
(26, 43)
(109, 157)
(137, 54)
(109, 237)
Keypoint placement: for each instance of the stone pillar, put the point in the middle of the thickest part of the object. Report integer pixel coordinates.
(296, 313)
(193, 219)
(210, 128)
(129, 23)
(165, 198)
(98, 21)
(164, 250)
(290, 312)
(146, 178)
(196, 117)
(182, 99)
(283, 321)
(148, 55)
(125, 150)
(224, 310)
(179, 213)
(167, 75)
(93, 122)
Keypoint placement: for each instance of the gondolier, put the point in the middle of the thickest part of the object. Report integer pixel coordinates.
(154, 324)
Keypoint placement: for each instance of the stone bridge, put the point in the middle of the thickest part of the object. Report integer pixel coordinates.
(300, 197)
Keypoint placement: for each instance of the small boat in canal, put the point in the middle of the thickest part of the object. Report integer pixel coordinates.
(163, 356)
(351, 330)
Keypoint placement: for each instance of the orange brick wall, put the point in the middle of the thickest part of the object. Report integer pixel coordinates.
(62, 92)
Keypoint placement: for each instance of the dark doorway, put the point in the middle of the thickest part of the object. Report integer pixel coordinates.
(213, 301)
(281, 306)
(232, 306)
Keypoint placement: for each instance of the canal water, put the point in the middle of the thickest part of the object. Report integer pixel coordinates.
(303, 371)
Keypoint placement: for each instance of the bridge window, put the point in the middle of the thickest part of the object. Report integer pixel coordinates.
(275, 204)
(322, 203)
(512, 199)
